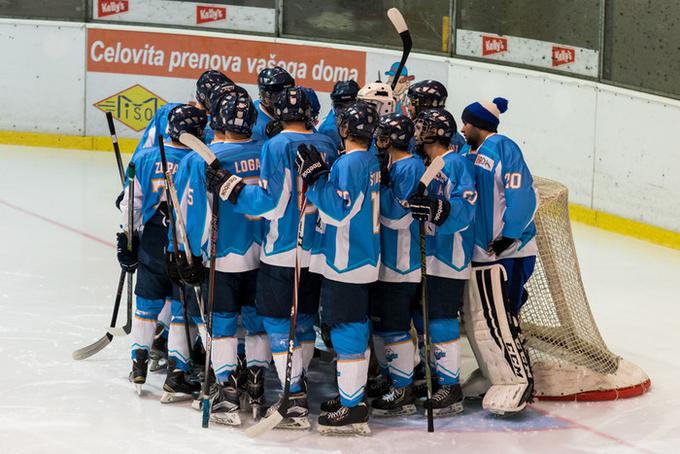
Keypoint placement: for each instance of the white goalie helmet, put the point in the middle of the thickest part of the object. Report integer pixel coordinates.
(380, 95)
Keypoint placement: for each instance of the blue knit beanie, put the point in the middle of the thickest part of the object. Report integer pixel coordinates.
(485, 115)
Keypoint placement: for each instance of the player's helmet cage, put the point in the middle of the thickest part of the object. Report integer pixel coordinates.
(358, 120)
(206, 82)
(344, 93)
(236, 113)
(380, 95)
(292, 104)
(434, 125)
(427, 94)
(394, 130)
(186, 118)
(216, 94)
(270, 82)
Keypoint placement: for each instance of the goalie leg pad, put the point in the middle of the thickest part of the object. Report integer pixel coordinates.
(495, 336)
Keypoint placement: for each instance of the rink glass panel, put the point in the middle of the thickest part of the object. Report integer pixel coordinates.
(361, 21)
(75, 10)
(570, 22)
(642, 44)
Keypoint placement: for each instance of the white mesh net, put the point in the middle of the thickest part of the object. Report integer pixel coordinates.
(569, 357)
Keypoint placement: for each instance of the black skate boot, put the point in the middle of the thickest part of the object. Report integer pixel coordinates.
(139, 369)
(447, 401)
(225, 406)
(159, 351)
(420, 383)
(255, 389)
(377, 386)
(331, 405)
(346, 421)
(297, 416)
(213, 388)
(397, 402)
(176, 387)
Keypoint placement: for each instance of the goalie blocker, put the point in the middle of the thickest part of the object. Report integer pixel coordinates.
(496, 340)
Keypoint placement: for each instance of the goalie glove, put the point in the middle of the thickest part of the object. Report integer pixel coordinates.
(310, 164)
(429, 209)
(223, 183)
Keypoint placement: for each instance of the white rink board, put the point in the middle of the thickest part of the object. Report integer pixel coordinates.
(42, 76)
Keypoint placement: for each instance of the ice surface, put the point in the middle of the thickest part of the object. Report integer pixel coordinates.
(57, 279)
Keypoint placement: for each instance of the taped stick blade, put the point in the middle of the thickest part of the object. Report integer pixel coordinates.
(397, 20)
(198, 146)
(431, 172)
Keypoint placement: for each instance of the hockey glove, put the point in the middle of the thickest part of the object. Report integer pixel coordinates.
(127, 259)
(190, 274)
(273, 128)
(223, 182)
(310, 164)
(171, 267)
(384, 160)
(500, 245)
(431, 209)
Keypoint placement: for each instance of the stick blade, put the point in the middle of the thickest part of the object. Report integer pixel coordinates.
(431, 172)
(198, 146)
(86, 352)
(397, 20)
(118, 332)
(264, 425)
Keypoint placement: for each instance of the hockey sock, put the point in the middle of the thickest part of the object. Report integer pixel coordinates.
(379, 352)
(399, 353)
(225, 345)
(445, 337)
(144, 324)
(178, 349)
(165, 316)
(351, 345)
(277, 330)
(257, 349)
(305, 334)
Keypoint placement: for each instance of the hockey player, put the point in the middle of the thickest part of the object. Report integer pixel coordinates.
(397, 293)
(314, 105)
(343, 95)
(348, 199)
(277, 199)
(428, 94)
(154, 285)
(448, 210)
(270, 82)
(238, 252)
(504, 256)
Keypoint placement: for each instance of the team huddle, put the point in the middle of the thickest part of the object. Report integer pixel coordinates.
(326, 218)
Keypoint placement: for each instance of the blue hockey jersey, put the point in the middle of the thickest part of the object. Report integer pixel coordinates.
(507, 199)
(457, 143)
(449, 246)
(150, 182)
(330, 129)
(238, 236)
(277, 198)
(263, 118)
(159, 125)
(399, 232)
(348, 200)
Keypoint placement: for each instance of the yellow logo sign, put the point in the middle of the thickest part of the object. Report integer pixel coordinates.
(134, 106)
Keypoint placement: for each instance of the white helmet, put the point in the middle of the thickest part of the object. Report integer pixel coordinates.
(380, 95)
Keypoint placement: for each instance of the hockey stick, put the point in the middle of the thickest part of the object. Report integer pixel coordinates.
(271, 421)
(173, 226)
(400, 25)
(125, 330)
(96, 347)
(433, 169)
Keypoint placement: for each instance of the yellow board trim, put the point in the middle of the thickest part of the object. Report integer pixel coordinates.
(624, 226)
(445, 33)
(577, 213)
(90, 143)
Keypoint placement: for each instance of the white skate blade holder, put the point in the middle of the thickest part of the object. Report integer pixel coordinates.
(504, 399)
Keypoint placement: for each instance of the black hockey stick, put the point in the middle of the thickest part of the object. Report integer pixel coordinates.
(271, 421)
(400, 25)
(175, 244)
(99, 345)
(433, 169)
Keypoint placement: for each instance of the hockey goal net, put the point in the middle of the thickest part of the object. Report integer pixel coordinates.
(570, 360)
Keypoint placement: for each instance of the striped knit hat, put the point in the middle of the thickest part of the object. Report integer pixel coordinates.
(485, 115)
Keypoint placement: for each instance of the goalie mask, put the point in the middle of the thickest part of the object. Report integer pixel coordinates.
(380, 95)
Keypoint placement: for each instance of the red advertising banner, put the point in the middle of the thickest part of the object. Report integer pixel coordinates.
(187, 56)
